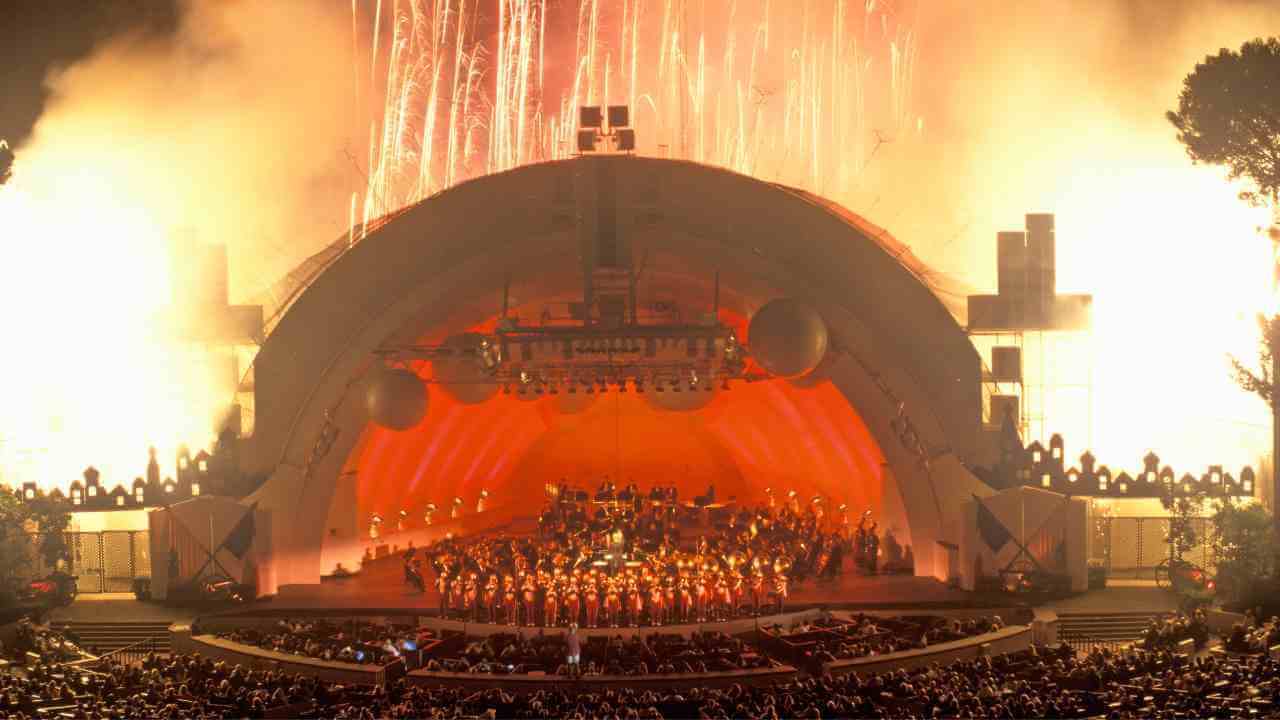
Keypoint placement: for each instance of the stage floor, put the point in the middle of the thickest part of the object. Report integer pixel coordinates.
(380, 586)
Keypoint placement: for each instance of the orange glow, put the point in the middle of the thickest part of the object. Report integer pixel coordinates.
(752, 437)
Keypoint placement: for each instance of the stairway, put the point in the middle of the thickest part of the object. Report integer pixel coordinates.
(109, 636)
(1109, 627)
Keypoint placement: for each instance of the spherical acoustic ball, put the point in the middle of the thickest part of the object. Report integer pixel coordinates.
(787, 338)
(461, 371)
(396, 399)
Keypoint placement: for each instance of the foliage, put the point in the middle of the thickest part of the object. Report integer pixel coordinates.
(6, 162)
(18, 519)
(1184, 510)
(1229, 114)
(1245, 544)
(1261, 384)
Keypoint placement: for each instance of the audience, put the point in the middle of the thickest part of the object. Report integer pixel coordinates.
(1039, 683)
(351, 641)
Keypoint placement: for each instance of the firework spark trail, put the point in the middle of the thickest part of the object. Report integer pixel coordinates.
(780, 97)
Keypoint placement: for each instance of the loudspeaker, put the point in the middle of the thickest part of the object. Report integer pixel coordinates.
(1001, 405)
(1006, 364)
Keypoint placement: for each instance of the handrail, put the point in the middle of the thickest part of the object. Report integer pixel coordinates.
(130, 654)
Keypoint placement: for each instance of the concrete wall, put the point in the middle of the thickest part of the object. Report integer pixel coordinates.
(236, 654)
(602, 683)
(1009, 640)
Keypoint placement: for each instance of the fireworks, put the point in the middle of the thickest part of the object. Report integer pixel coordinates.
(749, 89)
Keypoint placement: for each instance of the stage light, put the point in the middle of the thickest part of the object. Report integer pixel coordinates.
(1046, 480)
(457, 508)
(195, 489)
(29, 490)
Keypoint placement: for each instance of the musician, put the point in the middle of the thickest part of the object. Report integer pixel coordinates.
(685, 611)
(612, 601)
(491, 597)
(592, 592)
(702, 593)
(757, 589)
(550, 603)
(572, 605)
(411, 574)
(738, 591)
(509, 600)
(724, 597)
(657, 602)
(780, 589)
(634, 600)
(471, 596)
(442, 587)
(529, 593)
(873, 548)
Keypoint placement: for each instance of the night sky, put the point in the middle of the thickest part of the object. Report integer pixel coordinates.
(39, 36)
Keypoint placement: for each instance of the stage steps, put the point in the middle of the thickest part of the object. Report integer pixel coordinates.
(1109, 627)
(109, 636)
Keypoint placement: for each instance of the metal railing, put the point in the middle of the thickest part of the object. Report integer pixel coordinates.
(129, 654)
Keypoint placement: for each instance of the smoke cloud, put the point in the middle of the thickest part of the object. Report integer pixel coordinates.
(250, 126)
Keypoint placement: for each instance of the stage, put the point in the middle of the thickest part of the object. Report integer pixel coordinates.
(380, 587)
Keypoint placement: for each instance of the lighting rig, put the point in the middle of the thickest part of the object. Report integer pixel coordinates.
(604, 345)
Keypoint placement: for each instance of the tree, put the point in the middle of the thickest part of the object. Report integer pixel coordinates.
(1184, 510)
(1244, 543)
(1261, 383)
(29, 529)
(6, 162)
(1229, 114)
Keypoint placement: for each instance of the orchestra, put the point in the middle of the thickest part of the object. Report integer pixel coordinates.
(628, 563)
